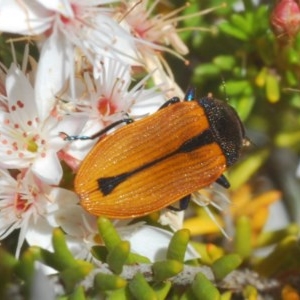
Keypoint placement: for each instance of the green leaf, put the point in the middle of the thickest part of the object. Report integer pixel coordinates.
(178, 245)
(117, 256)
(205, 70)
(162, 289)
(99, 252)
(272, 87)
(242, 239)
(242, 171)
(245, 106)
(25, 267)
(134, 258)
(291, 78)
(203, 289)
(224, 62)
(108, 233)
(225, 264)
(7, 260)
(107, 282)
(237, 87)
(63, 255)
(250, 292)
(119, 294)
(163, 270)
(226, 296)
(261, 77)
(73, 275)
(187, 295)
(51, 260)
(140, 289)
(77, 294)
(242, 22)
(231, 30)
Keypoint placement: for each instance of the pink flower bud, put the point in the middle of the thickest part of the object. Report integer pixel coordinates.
(285, 18)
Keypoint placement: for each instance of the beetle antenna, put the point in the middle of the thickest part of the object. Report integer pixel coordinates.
(67, 137)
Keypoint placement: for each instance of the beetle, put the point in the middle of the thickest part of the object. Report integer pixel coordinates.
(154, 162)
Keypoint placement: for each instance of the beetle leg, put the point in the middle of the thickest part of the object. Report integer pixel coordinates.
(66, 137)
(222, 180)
(183, 204)
(170, 102)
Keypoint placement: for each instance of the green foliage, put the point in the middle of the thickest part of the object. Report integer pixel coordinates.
(242, 239)
(82, 280)
(107, 282)
(203, 289)
(178, 244)
(163, 270)
(226, 264)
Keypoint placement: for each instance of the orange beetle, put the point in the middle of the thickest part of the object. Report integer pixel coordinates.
(151, 163)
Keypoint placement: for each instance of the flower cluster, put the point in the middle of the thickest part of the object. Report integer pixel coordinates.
(90, 55)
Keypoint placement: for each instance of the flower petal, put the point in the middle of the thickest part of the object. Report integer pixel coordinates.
(20, 96)
(53, 71)
(48, 168)
(29, 17)
(61, 6)
(39, 234)
(70, 124)
(71, 220)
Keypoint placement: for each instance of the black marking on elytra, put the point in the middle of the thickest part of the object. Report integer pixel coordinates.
(108, 184)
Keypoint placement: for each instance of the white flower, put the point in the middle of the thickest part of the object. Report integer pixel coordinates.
(65, 25)
(23, 202)
(26, 140)
(109, 98)
(36, 208)
(114, 93)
